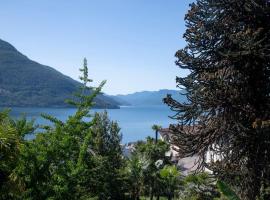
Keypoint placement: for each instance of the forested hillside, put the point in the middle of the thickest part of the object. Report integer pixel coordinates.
(24, 82)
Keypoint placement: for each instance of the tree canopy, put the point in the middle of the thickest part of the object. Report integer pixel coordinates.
(228, 109)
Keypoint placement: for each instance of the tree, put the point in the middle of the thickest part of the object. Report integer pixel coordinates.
(156, 128)
(226, 191)
(199, 186)
(109, 162)
(228, 108)
(12, 133)
(171, 179)
(135, 168)
(58, 163)
(154, 155)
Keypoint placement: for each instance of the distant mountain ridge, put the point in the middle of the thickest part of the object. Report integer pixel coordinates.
(26, 83)
(146, 98)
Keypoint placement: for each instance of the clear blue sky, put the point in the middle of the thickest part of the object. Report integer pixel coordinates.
(130, 43)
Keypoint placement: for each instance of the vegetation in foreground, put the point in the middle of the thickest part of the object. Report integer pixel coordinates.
(228, 91)
(82, 158)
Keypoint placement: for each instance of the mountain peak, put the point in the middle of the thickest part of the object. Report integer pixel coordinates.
(144, 98)
(6, 46)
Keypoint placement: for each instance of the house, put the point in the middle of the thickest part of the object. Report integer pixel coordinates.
(187, 164)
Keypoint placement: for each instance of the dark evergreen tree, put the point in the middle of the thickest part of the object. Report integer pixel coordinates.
(109, 162)
(228, 108)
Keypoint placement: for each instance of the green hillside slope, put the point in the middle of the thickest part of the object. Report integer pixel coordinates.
(24, 82)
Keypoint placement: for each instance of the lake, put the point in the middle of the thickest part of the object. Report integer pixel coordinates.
(135, 121)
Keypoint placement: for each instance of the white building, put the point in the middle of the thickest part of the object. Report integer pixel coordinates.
(187, 164)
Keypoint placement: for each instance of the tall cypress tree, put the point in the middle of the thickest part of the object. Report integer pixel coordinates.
(228, 108)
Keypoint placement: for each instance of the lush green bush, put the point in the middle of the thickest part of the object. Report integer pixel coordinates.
(144, 168)
(12, 143)
(199, 186)
(80, 158)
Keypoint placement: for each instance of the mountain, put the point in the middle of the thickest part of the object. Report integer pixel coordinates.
(120, 99)
(26, 83)
(148, 97)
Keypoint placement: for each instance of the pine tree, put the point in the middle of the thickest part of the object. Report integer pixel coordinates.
(58, 163)
(109, 161)
(228, 108)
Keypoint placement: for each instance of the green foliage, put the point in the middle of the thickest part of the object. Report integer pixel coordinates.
(81, 158)
(76, 159)
(109, 162)
(226, 191)
(144, 166)
(170, 178)
(12, 142)
(156, 127)
(199, 187)
(228, 109)
(171, 173)
(137, 164)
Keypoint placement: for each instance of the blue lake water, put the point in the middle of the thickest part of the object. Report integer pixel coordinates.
(135, 121)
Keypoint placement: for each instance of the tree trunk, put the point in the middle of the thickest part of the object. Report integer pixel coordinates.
(151, 194)
(156, 136)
